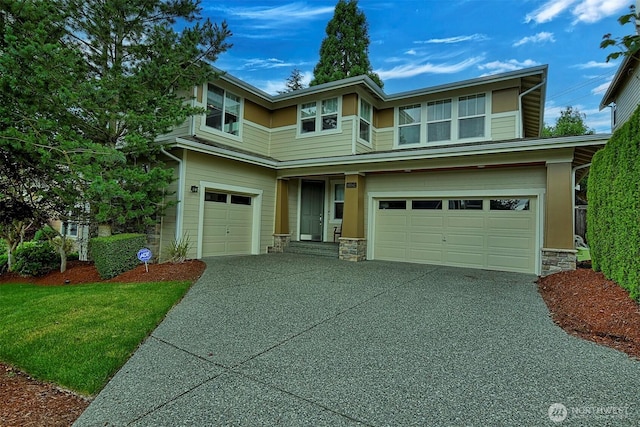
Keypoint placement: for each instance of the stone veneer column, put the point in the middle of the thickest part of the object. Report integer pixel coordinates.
(281, 236)
(353, 245)
(353, 249)
(557, 260)
(558, 253)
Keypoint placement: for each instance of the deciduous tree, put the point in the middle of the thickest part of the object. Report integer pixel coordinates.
(570, 122)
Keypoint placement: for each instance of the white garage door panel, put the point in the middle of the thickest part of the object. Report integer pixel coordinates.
(227, 228)
(491, 239)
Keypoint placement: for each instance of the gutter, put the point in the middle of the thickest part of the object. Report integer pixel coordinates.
(522, 95)
(179, 207)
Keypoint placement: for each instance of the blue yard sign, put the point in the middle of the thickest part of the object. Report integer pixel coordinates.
(144, 255)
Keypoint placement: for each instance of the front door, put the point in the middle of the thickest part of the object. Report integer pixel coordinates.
(311, 208)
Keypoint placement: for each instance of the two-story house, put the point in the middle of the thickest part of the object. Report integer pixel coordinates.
(455, 174)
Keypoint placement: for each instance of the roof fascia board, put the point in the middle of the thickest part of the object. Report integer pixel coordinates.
(618, 79)
(291, 98)
(450, 151)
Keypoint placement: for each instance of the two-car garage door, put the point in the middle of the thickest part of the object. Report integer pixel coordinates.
(496, 233)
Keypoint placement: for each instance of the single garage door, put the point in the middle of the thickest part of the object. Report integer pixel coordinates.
(227, 224)
(495, 233)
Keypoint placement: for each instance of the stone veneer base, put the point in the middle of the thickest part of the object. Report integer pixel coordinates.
(280, 241)
(353, 249)
(557, 260)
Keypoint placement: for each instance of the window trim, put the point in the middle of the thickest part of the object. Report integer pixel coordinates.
(206, 128)
(332, 216)
(455, 122)
(318, 124)
(362, 119)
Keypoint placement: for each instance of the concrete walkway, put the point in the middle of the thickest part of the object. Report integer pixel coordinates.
(296, 340)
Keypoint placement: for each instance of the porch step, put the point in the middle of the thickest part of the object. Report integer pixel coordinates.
(326, 249)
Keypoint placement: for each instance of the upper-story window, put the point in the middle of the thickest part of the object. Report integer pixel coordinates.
(450, 119)
(318, 116)
(365, 120)
(223, 110)
(439, 120)
(471, 112)
(409, 119)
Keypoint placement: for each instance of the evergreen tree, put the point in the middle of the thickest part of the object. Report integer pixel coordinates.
(345, 50)
(294, 82)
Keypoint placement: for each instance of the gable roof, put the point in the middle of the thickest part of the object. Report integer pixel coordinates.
(619, 79)
(532, 84)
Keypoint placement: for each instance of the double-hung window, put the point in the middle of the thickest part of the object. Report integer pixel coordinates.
(471, 116)
(409, 124)
(319, 116)
(365, 121)
(439, 120)
(223, 110)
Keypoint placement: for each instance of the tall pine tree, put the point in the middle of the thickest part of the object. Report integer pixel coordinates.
(345, 50)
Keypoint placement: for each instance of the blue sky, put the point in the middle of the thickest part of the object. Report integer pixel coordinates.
(417, 44)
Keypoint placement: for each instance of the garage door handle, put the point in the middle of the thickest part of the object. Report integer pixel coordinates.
(444, 238)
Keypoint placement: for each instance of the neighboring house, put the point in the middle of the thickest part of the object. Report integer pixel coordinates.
(77, 233)
(456, 174)
(623, 94)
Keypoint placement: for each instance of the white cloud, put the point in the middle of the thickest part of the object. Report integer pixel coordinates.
(594, 64)
(411, 52)
(274, 17)
(257, 63)
(411, 70)
(542, 37)
(584, 11)
(548, 11)
(590, 11)
(602, 88)
(456, 39)
(496, 67)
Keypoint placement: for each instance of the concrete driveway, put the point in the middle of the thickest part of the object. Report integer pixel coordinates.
(288, 339)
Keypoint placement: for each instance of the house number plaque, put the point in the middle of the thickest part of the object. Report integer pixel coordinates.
(352, 185)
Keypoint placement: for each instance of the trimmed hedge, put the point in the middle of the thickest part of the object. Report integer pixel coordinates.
(116, 254)
(613, 217)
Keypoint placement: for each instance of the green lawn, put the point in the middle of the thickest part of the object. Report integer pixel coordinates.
(79, 336)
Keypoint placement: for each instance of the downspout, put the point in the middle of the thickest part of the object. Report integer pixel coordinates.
(180, 205)
(573, 193)
(522, 95)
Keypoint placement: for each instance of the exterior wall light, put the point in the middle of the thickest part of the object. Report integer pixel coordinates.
(194, 188)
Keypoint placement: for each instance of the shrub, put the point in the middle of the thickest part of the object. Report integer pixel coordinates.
(44, 234)
(116, 254)
(178, 249)
(613, 225)
(73, 256)
(35, 259)
(4, 262)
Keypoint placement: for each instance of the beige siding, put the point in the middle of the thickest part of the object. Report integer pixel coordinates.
(178, 131)
(460, 180)
(285, 145)
(503, 127)
(254, 139)
(201, 167)
(383, 139)
(168, 221)
(627, 101)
